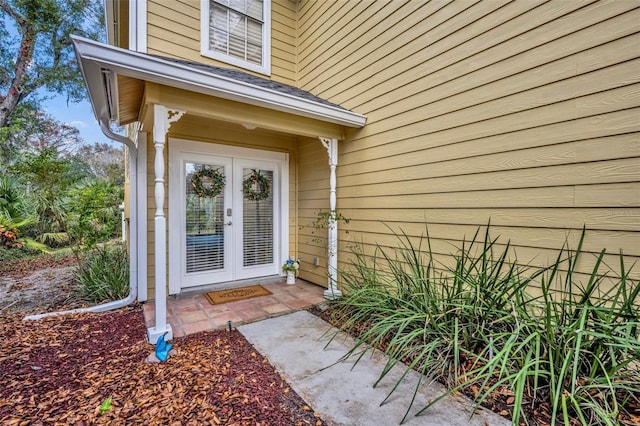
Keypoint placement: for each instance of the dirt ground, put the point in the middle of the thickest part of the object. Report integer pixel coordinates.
(37, 285)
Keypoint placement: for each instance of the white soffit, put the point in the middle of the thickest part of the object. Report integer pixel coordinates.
(94, 57)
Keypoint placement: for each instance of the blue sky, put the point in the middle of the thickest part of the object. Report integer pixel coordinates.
(79, 115)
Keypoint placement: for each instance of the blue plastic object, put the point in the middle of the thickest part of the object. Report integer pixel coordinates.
(162, 348)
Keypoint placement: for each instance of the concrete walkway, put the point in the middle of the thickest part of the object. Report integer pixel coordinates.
(343, 394)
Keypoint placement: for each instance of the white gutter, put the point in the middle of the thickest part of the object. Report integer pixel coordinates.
(133, 249)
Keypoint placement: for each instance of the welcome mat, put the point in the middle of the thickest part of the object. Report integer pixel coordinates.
(235, 294)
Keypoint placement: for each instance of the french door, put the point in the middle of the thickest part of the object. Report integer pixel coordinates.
(224, 218)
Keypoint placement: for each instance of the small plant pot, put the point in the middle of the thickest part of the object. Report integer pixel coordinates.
(291, 277)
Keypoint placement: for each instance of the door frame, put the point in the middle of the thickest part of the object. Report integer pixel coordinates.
(178, 149)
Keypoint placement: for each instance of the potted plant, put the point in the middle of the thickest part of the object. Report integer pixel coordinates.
(290, 267)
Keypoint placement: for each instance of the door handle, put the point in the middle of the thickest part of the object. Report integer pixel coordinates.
(228, 223)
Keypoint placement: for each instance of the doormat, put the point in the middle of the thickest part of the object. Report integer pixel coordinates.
(235, 294)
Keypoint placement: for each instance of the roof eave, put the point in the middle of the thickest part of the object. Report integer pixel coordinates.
(160, 71)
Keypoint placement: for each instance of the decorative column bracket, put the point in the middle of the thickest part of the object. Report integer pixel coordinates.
(163, 117)
(332, 292)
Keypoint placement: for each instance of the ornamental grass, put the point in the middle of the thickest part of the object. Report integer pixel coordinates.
(567, 355)
(103, 274)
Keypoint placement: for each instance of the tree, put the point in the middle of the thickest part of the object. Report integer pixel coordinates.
(40, 56)
(12, 141)
(104, 160)
(72, 204)
(37, 131)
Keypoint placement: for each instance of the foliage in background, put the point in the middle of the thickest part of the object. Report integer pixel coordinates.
(66, 203)
(42, 130)
(36, 51)
(15, 217)
(476, 327)
(9, 232)
(20, 122)
(103, 161)
(46, 177)
(13, 202)
(54, 189)
(15, 254)
(103, 274)
(92, 212)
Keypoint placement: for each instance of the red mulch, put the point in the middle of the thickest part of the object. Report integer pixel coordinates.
(60, 370)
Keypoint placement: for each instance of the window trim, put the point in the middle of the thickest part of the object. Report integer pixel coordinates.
(265, 68)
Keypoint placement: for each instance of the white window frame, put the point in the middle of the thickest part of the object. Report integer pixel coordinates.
(265, 68)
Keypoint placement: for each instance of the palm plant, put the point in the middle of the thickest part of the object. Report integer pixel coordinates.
(15, 217)
(12, 198)
(11, 234)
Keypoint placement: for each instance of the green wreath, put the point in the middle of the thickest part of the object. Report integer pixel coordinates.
(256, 187)
(217, 182)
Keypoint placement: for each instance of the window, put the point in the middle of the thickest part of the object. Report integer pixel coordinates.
(238, 32)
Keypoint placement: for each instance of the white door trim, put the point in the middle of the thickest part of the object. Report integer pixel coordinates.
(178, 147)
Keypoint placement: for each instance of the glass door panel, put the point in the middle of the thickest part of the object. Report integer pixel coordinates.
(204, 218)
(256, 184)
(257, 218)
(205, 222)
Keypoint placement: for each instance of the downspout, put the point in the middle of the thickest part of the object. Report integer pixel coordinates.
(133, 269)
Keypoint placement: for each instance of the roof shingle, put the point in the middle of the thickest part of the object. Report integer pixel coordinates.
(245, 77)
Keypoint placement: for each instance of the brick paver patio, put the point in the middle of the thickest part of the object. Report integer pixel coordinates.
(193, 313)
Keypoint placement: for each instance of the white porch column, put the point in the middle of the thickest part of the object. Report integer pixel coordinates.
(163, 117)
(332, 291)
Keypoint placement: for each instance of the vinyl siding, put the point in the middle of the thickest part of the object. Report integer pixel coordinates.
(174, 30)
(313, 196)
(526, 114)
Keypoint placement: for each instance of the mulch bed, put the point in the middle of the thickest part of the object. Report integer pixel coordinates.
(59, 370)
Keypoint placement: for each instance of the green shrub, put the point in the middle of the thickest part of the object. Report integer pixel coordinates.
(92, 213)
(475, 326)
(103, 274)
(9, 254)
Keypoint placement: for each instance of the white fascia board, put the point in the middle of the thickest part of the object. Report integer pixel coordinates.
(173, 74)
(92, 74)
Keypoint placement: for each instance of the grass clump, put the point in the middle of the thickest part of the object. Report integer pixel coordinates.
(571, 352)
(103, 274)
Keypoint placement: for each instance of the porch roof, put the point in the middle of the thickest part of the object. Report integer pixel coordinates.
(103, 65)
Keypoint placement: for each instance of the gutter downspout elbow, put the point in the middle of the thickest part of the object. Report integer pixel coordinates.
(133, 273)
(106, 129)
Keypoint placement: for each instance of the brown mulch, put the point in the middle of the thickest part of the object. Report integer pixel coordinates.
(59, 370)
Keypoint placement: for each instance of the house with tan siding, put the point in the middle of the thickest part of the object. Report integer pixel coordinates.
(395, 114)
